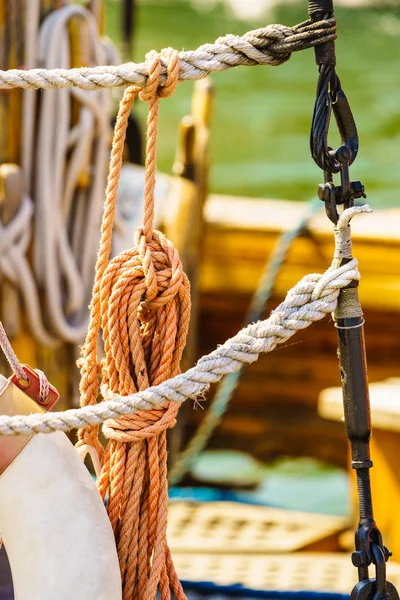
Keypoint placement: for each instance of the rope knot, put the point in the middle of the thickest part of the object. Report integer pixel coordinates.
(169, 59)
(144, 294)
(142, 425)
(162, 268)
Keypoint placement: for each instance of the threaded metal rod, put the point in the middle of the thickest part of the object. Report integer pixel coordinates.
(364, 494)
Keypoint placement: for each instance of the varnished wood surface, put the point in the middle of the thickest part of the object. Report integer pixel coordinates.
(241, 232)
(385, 452)
(274, 409)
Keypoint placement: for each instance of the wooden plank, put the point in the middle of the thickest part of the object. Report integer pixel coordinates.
(12, 56)
(385, 450)
(254, 214)
(182, 216)
(384, 399)
(385, 482)
(241, 233)
(273, 434)
(11, 193)
(299, 571)
(224, 527)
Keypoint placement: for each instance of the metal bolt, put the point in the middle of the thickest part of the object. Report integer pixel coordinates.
(358, 189)
(323, 192)
(343, 154)
(386, 553)
(361, 558)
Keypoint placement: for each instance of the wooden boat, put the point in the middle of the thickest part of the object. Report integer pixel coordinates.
(224, 243)
(274, 410)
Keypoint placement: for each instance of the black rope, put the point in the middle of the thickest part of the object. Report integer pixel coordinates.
(329, 97)
(328, 83)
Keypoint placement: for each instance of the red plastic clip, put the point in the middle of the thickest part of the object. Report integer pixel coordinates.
(31, 387)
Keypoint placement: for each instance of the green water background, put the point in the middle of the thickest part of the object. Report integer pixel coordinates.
(260, 132)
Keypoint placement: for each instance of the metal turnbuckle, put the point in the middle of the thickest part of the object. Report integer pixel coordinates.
(348, 317)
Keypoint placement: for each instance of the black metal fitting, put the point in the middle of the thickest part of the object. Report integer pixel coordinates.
(357, 190)
(345, 122)
(375, 588)
(361, 558)
(316, 7)
(318, 10)
(346, 193)
(369, 546)
(387, 553)
(330, 97)
(348, 314)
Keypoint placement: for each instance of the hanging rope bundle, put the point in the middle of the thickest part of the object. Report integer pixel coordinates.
(141, 301)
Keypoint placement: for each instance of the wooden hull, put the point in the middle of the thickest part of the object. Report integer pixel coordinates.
(274, 410)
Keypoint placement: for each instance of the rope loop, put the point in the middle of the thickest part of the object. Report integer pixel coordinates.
(150, 90)
(170, 56)
(142, 425)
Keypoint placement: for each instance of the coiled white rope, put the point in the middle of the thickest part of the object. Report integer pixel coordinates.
(310, 300)
(271, 45)
(15, 239)
(65, 249)
(60, 214)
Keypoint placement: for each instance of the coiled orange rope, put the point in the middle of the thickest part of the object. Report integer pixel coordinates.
(141, 300)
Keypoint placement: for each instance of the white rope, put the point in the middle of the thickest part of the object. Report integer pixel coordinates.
(68, 214)
(310, 300)
(63, 215)
(15, 239)
(10, 355)
(271, 45)
(44, 386)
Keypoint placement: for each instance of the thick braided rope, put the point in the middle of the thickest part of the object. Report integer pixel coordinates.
(310, 300)
(271, 45)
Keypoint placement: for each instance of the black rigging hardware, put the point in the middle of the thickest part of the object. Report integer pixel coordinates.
(331, 97)
(349, 321)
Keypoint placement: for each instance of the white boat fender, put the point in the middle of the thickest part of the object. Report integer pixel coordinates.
(53, 522)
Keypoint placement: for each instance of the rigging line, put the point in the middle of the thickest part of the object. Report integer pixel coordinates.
(313, 297)
(226, 389)
(271, 45)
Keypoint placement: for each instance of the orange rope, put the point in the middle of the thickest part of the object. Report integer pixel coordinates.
(141, 300)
